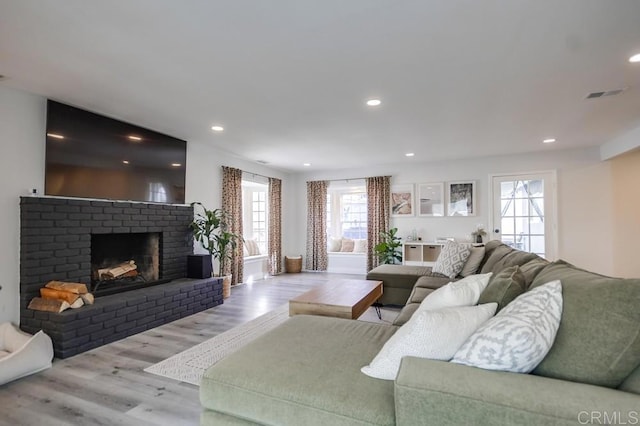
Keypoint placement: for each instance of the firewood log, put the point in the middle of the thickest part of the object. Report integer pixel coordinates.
(87, 298)
(51, 293)
(77, 288)
(49, 305)
(77, 304)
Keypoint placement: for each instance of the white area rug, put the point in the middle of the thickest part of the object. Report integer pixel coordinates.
(189, 366)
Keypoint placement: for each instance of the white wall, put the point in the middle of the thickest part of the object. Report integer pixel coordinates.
(22, 162)
(626, 206)
(584, 199)
(21, 167)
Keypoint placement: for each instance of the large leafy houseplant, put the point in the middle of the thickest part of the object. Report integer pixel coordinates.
(388, 250)
(211, 230)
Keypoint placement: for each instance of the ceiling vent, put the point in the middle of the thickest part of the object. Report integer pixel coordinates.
(595, 95)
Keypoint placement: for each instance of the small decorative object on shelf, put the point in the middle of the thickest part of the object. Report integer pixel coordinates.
(476, 236)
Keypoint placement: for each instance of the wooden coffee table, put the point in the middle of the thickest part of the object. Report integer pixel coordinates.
(338, 298)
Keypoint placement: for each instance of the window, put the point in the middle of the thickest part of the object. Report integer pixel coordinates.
(347, 210)
(254, 210)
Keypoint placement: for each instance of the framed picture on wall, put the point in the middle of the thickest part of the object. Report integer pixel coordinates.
(402, 200)
(431, 199)
(461, 198)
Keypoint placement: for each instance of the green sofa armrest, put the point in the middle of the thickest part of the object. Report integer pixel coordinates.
(438, 392)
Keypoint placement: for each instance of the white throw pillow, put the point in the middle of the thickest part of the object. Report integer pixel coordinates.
(465, 292)
(360, 246)
(429, 334)
(473, 261)
(334, 244)
(520, 336)
(451, 259)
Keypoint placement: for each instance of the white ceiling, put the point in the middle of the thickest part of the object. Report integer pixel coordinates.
(288, 79)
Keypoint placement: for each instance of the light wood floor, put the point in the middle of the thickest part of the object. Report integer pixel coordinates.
(107, 386)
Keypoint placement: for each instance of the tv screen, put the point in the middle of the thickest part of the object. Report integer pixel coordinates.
(92, 156)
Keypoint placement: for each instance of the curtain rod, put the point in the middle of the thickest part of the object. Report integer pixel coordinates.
(258, 174)
(345, 180)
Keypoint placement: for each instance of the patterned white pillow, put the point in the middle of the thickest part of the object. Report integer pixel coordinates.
(429, 334)
(451, 259)
(465, 292)
(520, 336)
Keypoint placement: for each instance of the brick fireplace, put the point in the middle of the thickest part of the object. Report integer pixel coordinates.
(57, 235)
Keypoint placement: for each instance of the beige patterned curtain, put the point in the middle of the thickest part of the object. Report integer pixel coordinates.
(275, 226)
(378, 212)
(232, 204)
(317, 226)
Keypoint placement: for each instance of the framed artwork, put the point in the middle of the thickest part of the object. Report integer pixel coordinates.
(461, 198)
(402, 200)
(431, 199)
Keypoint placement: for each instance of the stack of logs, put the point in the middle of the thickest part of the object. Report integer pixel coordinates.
(57, 296)
(122, 270)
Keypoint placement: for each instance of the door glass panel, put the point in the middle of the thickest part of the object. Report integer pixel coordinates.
(507, 208)
(522, 206)
(508, 226)
(522, 213)
(506, 189)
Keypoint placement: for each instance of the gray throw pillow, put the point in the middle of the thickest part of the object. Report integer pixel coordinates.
(473, 262)
(503, 287)
(451, 259)
(598, 341)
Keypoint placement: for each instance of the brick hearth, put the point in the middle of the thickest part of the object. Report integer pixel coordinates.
(55, 244)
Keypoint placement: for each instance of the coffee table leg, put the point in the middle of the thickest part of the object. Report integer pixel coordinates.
(377, 307)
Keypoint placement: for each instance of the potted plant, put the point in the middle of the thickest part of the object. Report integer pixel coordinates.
(388, 250)
(476, 236)
(210, 229)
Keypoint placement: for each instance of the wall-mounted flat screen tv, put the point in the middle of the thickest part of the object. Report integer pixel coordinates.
(92, 156)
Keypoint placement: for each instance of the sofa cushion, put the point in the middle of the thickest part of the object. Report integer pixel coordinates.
(493, 256)
(305, 371)
(632, 382)
(473, 261)
(451, 259)
(406, 313)
(519, 336)
(598, 341)
(503, 287)
(398, 281)
(531, 269)
(429, 334)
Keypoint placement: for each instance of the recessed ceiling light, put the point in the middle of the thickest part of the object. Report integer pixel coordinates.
(217, 128)
(409, 154)
(374, 102)
(550, 140)
(635, 58)
(125, 162)
(176, 164)
(306, 164)
(135, 138)
(54, 135)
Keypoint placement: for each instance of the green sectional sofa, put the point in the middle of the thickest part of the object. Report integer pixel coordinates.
(307, 371)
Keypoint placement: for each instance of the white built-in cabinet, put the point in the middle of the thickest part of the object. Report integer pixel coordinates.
(420, 253)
